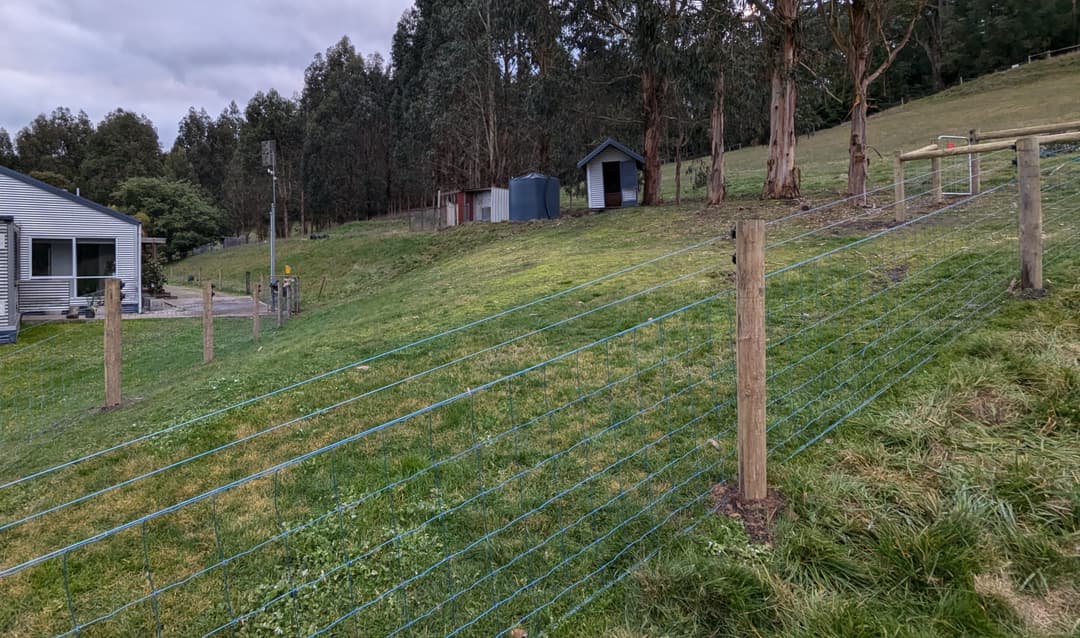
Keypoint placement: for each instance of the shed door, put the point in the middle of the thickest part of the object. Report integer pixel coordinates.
(628, 171)
(612, 185)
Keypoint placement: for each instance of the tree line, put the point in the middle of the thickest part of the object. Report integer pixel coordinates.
(477, 91)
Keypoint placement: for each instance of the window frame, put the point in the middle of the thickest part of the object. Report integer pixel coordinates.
(74, 278)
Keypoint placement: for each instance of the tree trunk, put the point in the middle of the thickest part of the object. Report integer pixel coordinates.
(857, 145)
(931, 44)
(858, 59)
(717, 191)
(652, 91)
(782, 178)
(678, 167)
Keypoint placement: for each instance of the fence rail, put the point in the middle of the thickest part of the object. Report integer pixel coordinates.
(513, 481)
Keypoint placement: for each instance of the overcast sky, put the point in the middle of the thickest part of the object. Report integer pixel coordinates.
(158, 57)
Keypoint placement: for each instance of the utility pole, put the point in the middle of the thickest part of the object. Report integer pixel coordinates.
(269, 159)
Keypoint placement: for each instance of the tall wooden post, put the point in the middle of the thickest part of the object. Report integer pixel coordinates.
(208, 321)
(113, 356)
(1031, 249)
(750, 356)
(935, 179)
(975, 163)
(255, 327)
(898, 181)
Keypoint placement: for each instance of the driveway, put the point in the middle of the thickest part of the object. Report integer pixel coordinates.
(188, 301)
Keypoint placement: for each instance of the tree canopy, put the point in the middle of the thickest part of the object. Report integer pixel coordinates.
(475, 92)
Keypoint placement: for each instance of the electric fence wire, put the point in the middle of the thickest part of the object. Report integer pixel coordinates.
(405, 347)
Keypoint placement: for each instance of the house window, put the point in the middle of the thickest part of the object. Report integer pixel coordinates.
(51, 258)
(96, 261)
(89, 262)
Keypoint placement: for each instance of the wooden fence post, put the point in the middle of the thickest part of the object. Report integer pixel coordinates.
(1031, 249)
(898, 179)
(280, 304)
(208, 321)
(113, 356)
(975, 160)
(935, 179)
(255, 327)
(750, 356)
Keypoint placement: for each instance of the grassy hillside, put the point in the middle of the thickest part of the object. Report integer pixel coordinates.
(1043, 92)
(949, 507)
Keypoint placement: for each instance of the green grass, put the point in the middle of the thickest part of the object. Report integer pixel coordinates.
(962, 536)
(950, 508)
(1043, 92)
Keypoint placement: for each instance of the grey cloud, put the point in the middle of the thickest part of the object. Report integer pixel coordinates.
(160, 57)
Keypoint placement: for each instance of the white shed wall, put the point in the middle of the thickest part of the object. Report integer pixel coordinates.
(500, 204)
(594, 176)
(7, 277)
(43, 215)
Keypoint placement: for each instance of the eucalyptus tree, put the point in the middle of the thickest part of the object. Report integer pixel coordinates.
(858, 27)
(7, 149)
(782, 26)
(643, 31)
(345, 108)
(204, 147)
(124, 145)
(57, 143)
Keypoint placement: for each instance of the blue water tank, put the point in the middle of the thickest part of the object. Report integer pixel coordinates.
(534, 196)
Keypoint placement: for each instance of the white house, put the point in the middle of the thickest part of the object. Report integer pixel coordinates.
(611, 175)
(60, 248)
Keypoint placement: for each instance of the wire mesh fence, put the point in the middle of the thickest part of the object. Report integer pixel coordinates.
(54, 375)
(498, 474)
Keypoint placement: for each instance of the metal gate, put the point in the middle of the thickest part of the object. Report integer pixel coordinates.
(956, 170)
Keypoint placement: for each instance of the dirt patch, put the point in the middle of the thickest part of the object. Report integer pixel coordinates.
(896, 274)
(988, 407)
(1056, 612)
(877, 222)
(758, 517)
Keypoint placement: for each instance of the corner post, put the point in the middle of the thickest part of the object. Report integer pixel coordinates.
(975, 161)
(935, 179)
(1031, 248)
(900, 206)
(750, 357)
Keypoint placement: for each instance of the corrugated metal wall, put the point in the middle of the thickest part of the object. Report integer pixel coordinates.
(43, 215)
(496, 199)
(7, 276)
(500, 204)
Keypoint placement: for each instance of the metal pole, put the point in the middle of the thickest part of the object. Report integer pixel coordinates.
(273, 229)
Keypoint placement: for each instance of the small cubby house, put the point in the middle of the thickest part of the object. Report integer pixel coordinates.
(611, 175)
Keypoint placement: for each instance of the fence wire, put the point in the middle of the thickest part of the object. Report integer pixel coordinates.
(511, 478)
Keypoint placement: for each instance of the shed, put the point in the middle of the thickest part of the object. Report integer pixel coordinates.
(489, 204)
(65, 248)
(611, 175)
